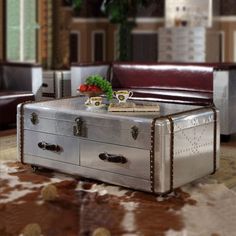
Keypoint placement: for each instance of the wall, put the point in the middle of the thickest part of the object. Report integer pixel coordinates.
(56, 23)
(61, 26)
(228, 31)
(44, 17)
(227, 22)
(90, 19)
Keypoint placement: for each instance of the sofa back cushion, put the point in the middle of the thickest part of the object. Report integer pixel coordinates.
(154, 76)
(216, 65)
(164, 77)
(17, 77)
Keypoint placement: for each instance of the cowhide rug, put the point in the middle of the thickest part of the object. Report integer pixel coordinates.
(83, 207)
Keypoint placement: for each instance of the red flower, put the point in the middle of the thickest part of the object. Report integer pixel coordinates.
(83, 88)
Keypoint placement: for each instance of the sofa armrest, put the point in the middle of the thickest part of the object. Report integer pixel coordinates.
(37, 82)
(79, 73)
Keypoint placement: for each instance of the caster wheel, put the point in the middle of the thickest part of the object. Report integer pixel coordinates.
(34, 168)
(224, 138)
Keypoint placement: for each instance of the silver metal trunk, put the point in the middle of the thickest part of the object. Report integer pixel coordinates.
(154, 152)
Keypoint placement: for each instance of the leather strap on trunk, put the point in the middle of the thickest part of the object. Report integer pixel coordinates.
(171, 153)
(21, 130)
(215, 141)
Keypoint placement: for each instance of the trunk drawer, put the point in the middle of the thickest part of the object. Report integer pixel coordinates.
(96, 129)
(38, 144)
(137, 165)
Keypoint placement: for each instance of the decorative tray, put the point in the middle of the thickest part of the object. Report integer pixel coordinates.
(133, 107)
(92, 107)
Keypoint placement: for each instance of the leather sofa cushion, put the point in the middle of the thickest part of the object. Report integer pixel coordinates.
(8, 104)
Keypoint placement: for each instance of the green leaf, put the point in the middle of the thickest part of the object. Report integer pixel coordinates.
(77, 3)
(102, 83)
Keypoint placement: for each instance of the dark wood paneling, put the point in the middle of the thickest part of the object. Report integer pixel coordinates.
(155, 8)
(90, 8)
(228, 7)
(99, 47)
(67, 3)
(144, 47)
(74, 49)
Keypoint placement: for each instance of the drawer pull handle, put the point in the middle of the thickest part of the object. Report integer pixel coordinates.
(134, 132)
(49, 147)
(112, 158)
(77, 128)
(34, 118)
(45, 85)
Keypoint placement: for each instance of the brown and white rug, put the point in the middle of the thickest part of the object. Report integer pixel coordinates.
(83, 207)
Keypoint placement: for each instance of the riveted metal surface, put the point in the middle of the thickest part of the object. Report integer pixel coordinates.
(173, 147)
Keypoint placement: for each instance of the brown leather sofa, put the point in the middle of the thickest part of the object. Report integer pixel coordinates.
(161, 82)
(201, 83)
(18, 83)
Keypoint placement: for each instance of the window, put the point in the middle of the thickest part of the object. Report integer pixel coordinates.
(74, 46)
(21, 30)
(144, 46)
(98, 46)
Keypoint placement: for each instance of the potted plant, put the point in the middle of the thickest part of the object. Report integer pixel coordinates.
(96, 85)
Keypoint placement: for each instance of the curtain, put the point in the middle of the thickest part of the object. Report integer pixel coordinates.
(21, 30)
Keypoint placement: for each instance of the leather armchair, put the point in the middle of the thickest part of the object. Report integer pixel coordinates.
(18, 83)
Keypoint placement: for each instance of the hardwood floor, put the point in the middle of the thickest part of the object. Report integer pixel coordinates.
(8, 144)
(7, 132)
